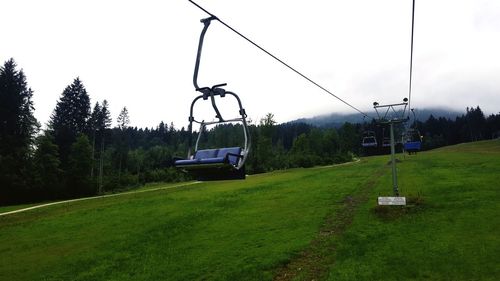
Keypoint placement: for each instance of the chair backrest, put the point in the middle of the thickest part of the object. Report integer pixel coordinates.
(369, 140)
(233, 150)
(205, 153)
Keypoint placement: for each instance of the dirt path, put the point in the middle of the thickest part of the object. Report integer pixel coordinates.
(313, 263)
(96, 197)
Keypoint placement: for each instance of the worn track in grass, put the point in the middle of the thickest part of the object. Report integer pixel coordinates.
(314, 262)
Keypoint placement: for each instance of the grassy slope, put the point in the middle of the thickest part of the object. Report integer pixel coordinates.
(151, 186)
(453, 235)
(246, 230)
(223, 230)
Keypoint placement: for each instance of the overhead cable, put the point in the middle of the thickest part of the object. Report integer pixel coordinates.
(411, 54)
(279, 60)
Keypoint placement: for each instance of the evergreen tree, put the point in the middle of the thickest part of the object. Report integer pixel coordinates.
(123, 121)
(17, 129)
(267, 125)
(70, 118)
(80, 163)
(104, 117)
(330, 145)
(493, 125)
(93, 124)
(263, 153)
(100, 121)
(46, 166)
(301, 152)
(476, 122)
(103, 124)
(94, 117)
(348, 138)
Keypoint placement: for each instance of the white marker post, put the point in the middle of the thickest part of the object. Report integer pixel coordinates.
(392, 201)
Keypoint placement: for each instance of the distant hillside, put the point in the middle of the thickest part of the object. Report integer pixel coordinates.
(336, 119)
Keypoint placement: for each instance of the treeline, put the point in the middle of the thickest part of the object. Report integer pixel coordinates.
(81, 154)
(471, 126)
(288, 145)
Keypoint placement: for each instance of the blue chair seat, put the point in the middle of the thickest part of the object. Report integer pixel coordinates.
(211, 157)
(412, 146)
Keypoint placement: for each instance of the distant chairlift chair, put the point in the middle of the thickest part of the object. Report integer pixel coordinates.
(386, 142)
(369, 140)
(413, 141)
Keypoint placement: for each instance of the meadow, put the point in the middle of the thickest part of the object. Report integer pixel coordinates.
(319, 223)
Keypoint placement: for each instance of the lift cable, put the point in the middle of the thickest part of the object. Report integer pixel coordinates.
(411, 54)
(279, 60)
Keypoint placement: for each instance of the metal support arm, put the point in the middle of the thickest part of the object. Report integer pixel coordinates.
(206, 23)
(215, 90)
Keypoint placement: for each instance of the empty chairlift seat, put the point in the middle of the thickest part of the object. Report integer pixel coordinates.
(211, 157)
(369, 142)
(412, 146)
(214, 164)
(413, 141)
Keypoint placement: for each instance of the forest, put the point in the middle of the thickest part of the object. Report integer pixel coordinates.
(80, 153)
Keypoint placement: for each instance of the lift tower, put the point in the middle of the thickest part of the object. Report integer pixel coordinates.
(392, 117)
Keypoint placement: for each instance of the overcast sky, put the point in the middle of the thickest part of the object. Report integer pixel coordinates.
(141, 54)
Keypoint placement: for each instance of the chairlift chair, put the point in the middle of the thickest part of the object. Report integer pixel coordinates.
(215, 163)
(412, 137)
(412, 141)
(386, 142)
(369, 140)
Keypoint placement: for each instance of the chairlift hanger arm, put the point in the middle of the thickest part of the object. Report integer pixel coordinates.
(206, 23)
(241, 111)
(215, 90)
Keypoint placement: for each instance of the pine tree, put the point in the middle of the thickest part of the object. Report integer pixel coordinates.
(476, 122)
(103, 124)
(93, 124)
(263, 152)
(267, 125)
(79, 165)
(123, 121)
(18, 127)
(105, 117)
(70, 118)
(46, 166)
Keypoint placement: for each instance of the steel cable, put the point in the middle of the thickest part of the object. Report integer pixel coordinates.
(279, 60)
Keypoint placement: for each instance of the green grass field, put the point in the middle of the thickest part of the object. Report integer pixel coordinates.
(301, 224)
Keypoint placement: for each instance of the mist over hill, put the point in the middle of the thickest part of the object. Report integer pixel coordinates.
(336, 120)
